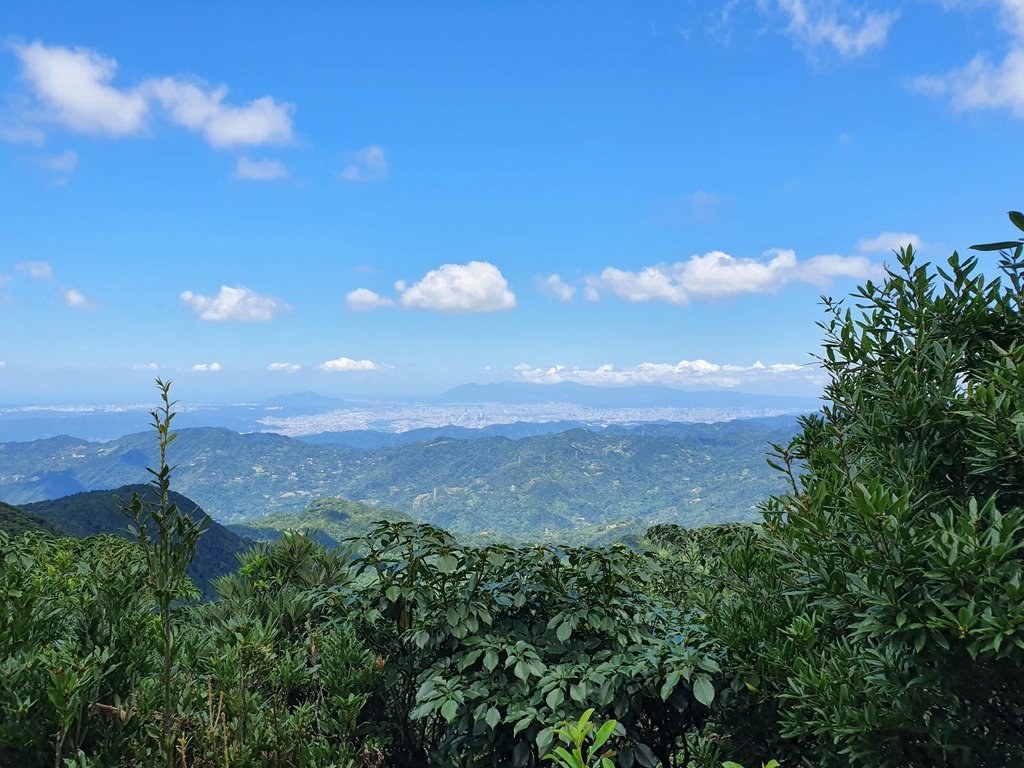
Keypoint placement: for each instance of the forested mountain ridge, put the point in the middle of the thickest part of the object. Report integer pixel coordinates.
(96, 512)
(689, 474)
(14, 522)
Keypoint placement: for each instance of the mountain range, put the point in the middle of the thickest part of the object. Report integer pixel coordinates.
(533, 487)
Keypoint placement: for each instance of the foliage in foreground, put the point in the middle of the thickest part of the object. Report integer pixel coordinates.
(880, 609)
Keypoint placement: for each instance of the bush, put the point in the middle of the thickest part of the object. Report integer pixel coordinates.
(881, 610)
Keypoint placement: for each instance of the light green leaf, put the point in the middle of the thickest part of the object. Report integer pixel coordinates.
(703, 690)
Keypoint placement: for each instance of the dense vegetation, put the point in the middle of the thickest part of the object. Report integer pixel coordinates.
(875, 617)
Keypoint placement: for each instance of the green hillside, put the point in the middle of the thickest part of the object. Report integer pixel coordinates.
(542, 486)
(333, 518)
(15, 522)
(95, 512)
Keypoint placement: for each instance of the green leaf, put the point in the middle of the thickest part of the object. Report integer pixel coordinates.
(603, 734)
(447, 563)
(522, 724)
(564, 631)
(492, 717)
(1018, 219)
(703, 690)
(1003, 246)
(555, 698)
(520, 753)
(671, 681)
(449, 710)
(709, 664)
(544, 739)
(566, 759)
(645, 756)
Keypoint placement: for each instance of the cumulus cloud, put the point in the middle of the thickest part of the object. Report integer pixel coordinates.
(234, 304)
(477, 286)
(75, 89)
(363, 300)
(717, 274)
(347, 364)
(77, 300)
(850, 32)
(369, 164)
(260, 170)
(685, 373)
(284, 367)
(982, 83)
(74, 85)
(202, 108)
(146, 367)
(556, 287)
(887, 242)
(206, 367)
(37, 270)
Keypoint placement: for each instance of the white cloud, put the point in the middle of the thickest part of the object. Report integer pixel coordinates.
(887, 242)
(555, 286)
(851, 32)
(717, 274)
(234, 303)
(982, 84)
(363, 300)
(77, 300)
(146, 367)
(206, 367)
(685, 373)
(284, 367)
(369, 164)
(74, 86)
(477, 286)
(65, 162)
(347, 364)
(21, 133)
(198, 107)
(37, 270)
(260, 170)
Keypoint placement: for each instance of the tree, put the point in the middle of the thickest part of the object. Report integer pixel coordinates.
(881, 610)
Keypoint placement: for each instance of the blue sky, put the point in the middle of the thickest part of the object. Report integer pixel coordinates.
(380, 199)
